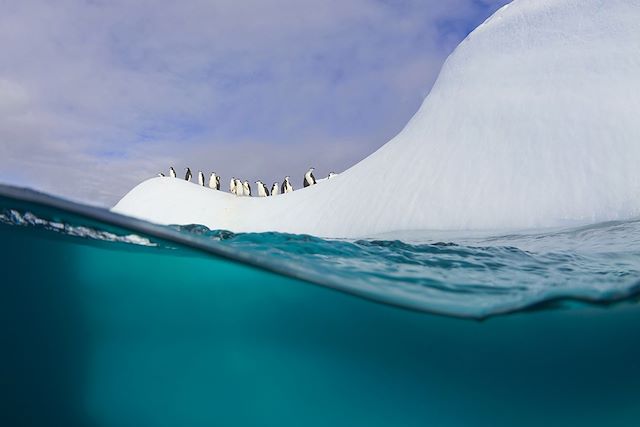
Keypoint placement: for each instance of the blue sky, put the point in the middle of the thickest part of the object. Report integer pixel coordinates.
(96, 96)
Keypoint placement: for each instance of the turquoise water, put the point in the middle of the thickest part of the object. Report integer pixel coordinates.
(109, 321)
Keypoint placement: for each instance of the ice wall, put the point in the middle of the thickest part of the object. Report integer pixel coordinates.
(533, 122)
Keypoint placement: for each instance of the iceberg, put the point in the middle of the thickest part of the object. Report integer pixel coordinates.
(533, 123)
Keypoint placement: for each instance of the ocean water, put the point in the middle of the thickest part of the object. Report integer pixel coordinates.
(110, 321)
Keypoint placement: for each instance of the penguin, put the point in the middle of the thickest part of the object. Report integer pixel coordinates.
(275, 189)
(214, 181)
(309, 179)
(232, 186)
(187, 176)
(263, 191)
(239, 188)
(161, 175)
(201, 178)
(172, 172)
(331, 175)
(286, 186)
(246, 189)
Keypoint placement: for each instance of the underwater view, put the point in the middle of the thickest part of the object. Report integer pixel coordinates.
(112, 321)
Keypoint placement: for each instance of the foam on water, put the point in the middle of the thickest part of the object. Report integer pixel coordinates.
(28, 219)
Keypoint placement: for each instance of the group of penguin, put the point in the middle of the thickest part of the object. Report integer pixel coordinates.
(243, 189)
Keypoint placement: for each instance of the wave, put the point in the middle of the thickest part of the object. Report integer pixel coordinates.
(444, 273)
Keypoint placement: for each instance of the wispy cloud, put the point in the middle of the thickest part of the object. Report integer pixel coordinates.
(96, 96)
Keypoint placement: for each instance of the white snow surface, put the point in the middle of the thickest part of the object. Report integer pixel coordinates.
(534, 122)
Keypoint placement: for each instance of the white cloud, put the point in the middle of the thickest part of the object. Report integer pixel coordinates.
(98, 95)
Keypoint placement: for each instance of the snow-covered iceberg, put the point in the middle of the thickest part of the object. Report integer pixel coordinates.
(533, 122)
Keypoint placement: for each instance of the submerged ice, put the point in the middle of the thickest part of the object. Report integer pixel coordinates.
(532, 123)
